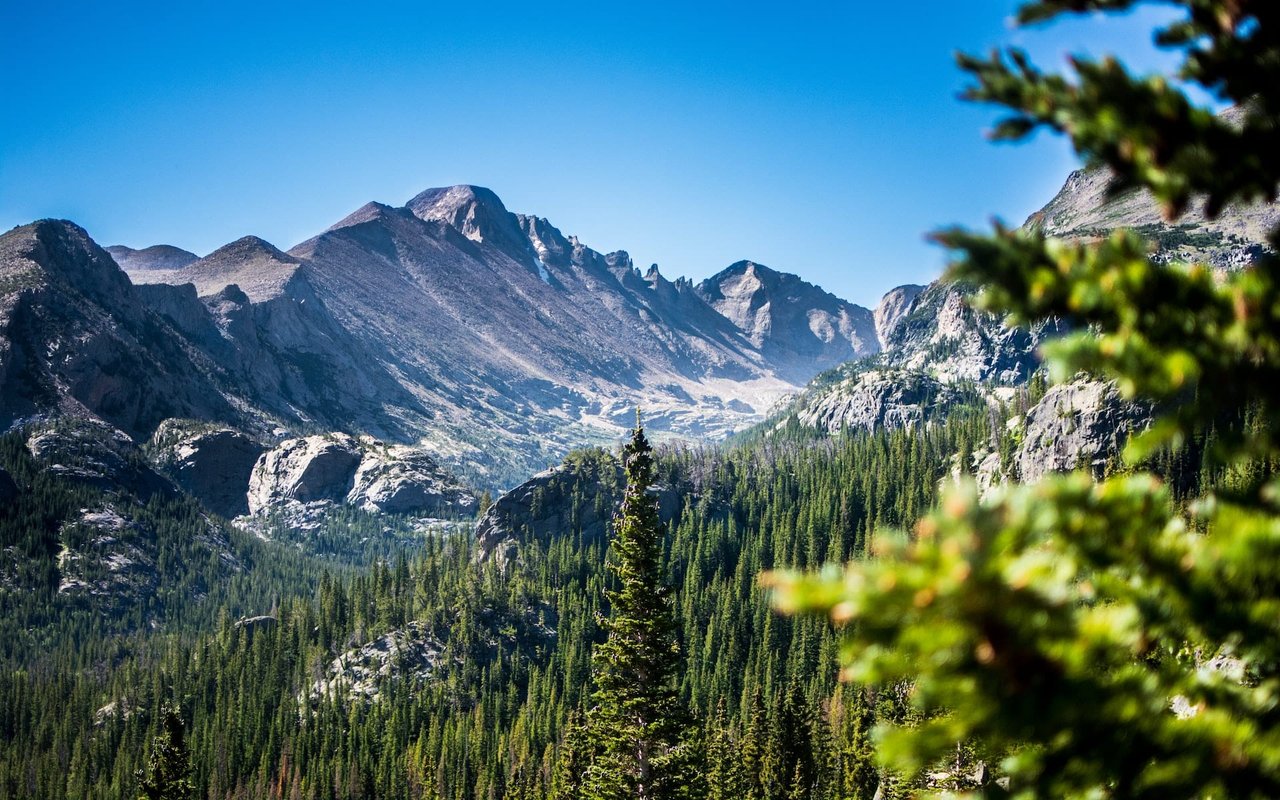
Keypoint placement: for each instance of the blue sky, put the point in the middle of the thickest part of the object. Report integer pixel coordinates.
(823, 139)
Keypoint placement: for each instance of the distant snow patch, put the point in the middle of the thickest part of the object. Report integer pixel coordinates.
(542, 270)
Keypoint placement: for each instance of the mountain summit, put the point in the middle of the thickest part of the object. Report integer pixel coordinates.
(793, 322)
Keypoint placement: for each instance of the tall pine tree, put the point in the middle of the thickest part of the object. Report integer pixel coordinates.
(168, 775)
(644, 732)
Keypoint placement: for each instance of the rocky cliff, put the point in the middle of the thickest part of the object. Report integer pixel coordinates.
(1090, 205)
(77, 338)
(575, 499)
(870, 397)
(211, 463)
(892, 309)
(1080, 424)
(336, 468)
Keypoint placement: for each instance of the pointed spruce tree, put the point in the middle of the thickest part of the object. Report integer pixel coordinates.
(645, 735)
(168, 773)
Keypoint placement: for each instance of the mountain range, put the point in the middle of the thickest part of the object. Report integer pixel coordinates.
(493, 343)
(487, 337)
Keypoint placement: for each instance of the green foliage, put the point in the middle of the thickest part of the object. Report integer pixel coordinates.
(1056, 629)
(168, 773)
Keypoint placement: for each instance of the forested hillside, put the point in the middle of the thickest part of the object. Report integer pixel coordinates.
(447, 671)
(482, 705)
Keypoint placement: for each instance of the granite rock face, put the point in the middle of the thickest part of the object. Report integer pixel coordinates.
(576, 499)
(96, 455)
(877, 398)
(1087, 207)
(493, 339)
(941, 333)
(1080, 424)
(76, 339)
(211, 463)
(305, 470)
(796, 325)
(336, 468)
(411, 653)
(892, 309)
(406, 480)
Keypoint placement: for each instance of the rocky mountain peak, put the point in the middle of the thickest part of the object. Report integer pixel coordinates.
(248, 247)
(788, 318)
(1090, 205)
(475, 212)
(100, 350)
(63, 251)
(742, 278)
(366, 213)
(157, 256)
(456, 325)
(255, 265)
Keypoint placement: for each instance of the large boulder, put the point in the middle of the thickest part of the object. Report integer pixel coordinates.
(1080, 424)
(407, 480)
(305, 470)
(369, 475)
(213, 464)
(576, 499)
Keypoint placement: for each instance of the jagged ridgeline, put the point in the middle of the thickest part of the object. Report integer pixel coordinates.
(489, 339)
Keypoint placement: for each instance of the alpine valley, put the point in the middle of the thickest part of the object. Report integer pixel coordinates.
(268, 486)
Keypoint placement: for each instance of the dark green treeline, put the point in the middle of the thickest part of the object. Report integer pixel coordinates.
(516, 636)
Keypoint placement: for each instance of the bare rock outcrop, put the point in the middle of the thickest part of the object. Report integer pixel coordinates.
(411, 653)
(892, 309)
(1080, 424)
(876, 398)
(941, 333)
(212, 463)
(306, 470)
(94, 454)
(107, 557)
(372, 476)
(576, 499)
(76, 339)
(407, 480)
(797, 326)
